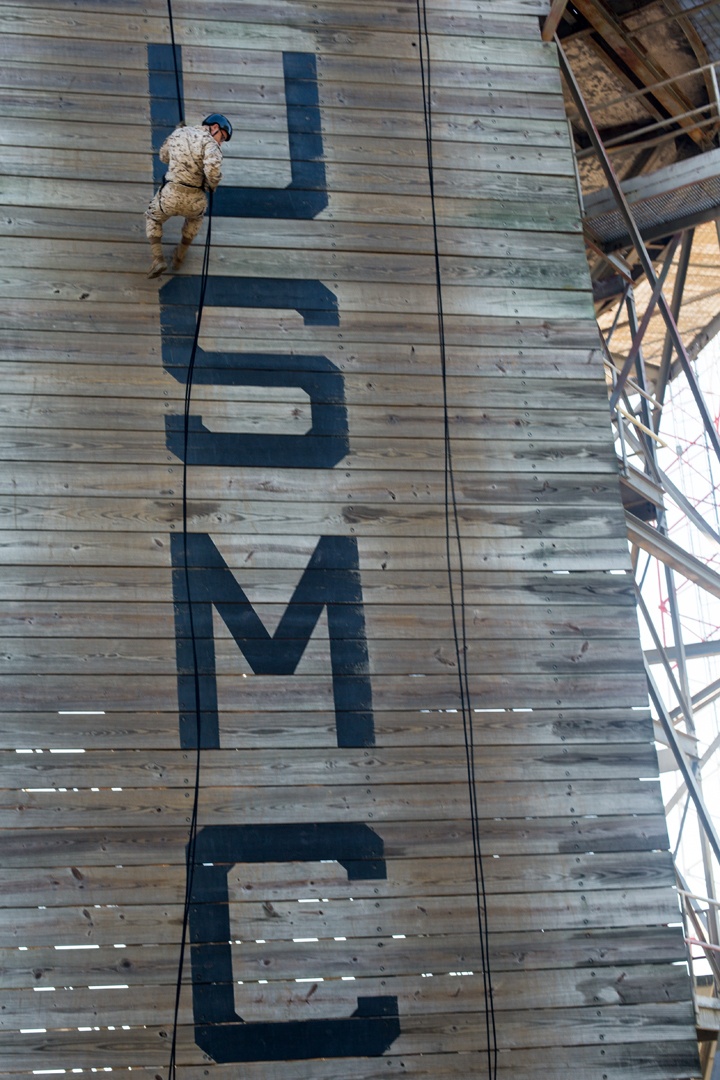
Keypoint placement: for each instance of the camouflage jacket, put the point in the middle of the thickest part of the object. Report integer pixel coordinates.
(193, 158)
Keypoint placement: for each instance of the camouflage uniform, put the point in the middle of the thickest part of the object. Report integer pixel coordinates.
(194, 163)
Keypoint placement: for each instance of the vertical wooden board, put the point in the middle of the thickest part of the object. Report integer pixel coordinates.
(426, 750)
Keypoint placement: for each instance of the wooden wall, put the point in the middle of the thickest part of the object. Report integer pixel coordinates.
(585, 954)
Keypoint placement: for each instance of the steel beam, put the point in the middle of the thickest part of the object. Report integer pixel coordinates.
(693, 651)
(703, 698)
(638, 332)
(664, 484)
(687, 774)
(671, 554)
(678, 290)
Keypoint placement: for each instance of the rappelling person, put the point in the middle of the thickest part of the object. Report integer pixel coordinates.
(194, 159)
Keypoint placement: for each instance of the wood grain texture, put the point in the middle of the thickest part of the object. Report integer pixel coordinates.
(155, 844)
(372, 918)
(281, 1000)
(96, 793)
(325, 519)
(138, 585)
(406, 878)
(573, 955)
(46, 809)
(413, 621)
(665, 1060)
(258, 768)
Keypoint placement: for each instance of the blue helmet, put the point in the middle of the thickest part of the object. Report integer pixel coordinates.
(221, 121)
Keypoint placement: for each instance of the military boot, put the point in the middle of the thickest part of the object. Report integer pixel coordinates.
(159, 266)
(179, 254)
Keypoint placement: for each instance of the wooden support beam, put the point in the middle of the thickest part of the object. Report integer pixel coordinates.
(557, 10)
(639, 245)
(648, 71)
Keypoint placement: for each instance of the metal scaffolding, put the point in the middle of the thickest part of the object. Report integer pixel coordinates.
(667, 571)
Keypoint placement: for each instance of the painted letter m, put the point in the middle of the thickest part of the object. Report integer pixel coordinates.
(331, 580)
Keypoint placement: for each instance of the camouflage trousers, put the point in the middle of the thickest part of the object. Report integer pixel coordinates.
(174, 200)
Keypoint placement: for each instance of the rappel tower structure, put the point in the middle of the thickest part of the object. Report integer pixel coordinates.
(371, 574)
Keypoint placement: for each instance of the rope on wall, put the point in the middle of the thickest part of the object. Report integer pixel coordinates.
(456, 578)
(180, 104)
(193, 828)
(192, 831)
(454, 557)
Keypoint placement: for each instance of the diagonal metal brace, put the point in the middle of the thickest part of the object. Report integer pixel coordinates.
(638, 339)
(638, 244)
(682, 763)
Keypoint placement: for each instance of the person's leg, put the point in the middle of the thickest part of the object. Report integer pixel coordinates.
(191, 228)
(154, 218)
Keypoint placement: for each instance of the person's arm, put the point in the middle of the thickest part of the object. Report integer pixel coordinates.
(164, 153)
(212, 164)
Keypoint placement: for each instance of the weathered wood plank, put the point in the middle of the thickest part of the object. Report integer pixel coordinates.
(554, 953)
(377, 917)
(516, 493)
(442, 1033)
(266, 729)
(93, 230)
(387, 656)
(279, 518)
(499, 690)
(369, 41)
(278, 410)
(258, 76)
(19, 444)
(432, 802)
(362, 173)
(104, 584)
(516, 206)
(658, 1060)
(525, 271)
(71, 109)
(359, 330)
(278, 1000)
(149, 971)
(150, 550)
(152, 845)
(267, 552)
(379, 766)
(524, 91)
(467, 19)
(367, 297)
(34, 90)
(62, 887)
(412, 621)
(522, 345)
(85, 510)
(109, 360)
(486, 393)
(237, 64)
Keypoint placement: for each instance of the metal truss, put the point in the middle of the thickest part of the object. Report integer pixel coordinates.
(636, 406)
